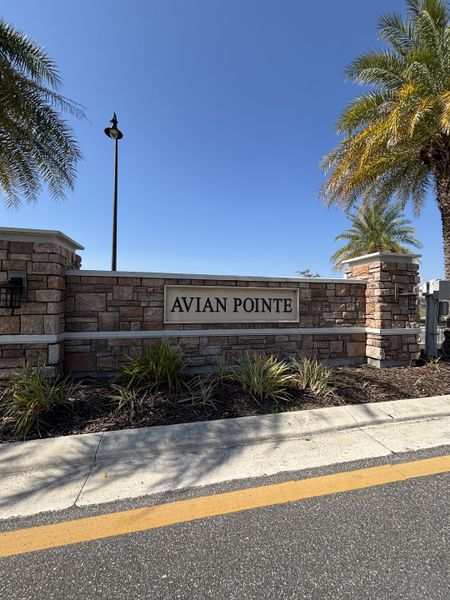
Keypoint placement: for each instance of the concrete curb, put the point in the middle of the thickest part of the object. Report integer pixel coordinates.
(87, 450)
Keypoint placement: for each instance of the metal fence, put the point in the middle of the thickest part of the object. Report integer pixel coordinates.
(439, 339)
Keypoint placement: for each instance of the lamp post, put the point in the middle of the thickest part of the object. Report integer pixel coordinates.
(114, 133)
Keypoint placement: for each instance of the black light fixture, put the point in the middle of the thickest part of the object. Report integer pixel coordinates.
(11, 293)
(114, 133)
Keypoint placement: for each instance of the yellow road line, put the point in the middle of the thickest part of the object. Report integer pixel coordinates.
(161, 515)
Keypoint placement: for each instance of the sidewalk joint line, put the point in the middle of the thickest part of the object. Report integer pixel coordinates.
(377, 441)
(363, 430)
(93, 465)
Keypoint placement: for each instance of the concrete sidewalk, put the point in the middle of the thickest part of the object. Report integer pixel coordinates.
(57, 473)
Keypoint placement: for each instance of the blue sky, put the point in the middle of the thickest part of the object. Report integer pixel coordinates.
(227, 108)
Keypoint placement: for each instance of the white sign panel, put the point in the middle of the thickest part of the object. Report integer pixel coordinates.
(213, 304)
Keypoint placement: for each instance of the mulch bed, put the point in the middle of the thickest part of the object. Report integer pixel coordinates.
(92, 410)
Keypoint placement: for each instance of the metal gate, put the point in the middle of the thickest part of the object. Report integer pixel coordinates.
(436, 332)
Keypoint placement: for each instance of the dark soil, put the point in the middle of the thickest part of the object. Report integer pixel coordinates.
(92, 410)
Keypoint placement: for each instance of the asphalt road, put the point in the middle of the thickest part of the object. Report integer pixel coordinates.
(390, 542)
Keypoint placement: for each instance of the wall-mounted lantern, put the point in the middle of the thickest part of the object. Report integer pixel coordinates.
(11, 293)
(411, 299)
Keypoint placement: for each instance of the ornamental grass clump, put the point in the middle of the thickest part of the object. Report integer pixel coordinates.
(202, 391)
(30, 395)
(158, 367)
(127, 400)
(263, 377)
(311, 374)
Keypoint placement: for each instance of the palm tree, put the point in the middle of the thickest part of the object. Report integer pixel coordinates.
(36, 144)
(396, 137)
(375, 227)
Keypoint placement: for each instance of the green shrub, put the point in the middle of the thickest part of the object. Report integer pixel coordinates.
(202, 389)
(125, 398)
(311, 374)
(263, 377)
(30, 394)
(224, 372)
(158, 367)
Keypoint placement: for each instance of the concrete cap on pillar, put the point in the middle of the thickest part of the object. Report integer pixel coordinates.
(387, 257)
(49, 236)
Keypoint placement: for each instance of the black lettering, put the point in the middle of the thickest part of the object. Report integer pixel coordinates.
(187, 305)
(249, 304)
(277, 302)
(287, 305)
(267, 304)
(222, 303)
(237, 304)
(207, 306)
(176, 304)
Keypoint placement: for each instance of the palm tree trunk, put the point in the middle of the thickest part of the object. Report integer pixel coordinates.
(442, 179)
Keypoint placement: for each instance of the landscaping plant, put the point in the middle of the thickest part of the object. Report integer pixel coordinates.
(202, 389)
(126, 399)
(311, 374)
(224, 372)
(30, 395)
(263, 377)
(158, 367)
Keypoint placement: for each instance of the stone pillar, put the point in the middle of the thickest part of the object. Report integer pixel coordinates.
(33, 332)
(392, 306)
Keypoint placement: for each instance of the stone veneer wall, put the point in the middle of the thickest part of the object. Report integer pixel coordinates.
(132, 304)
(104, 355)
(120, 303)
(86, 322)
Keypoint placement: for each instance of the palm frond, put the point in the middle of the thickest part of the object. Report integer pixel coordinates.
(375, 227)
(391, 128)
(397, 32)
(37, 146)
